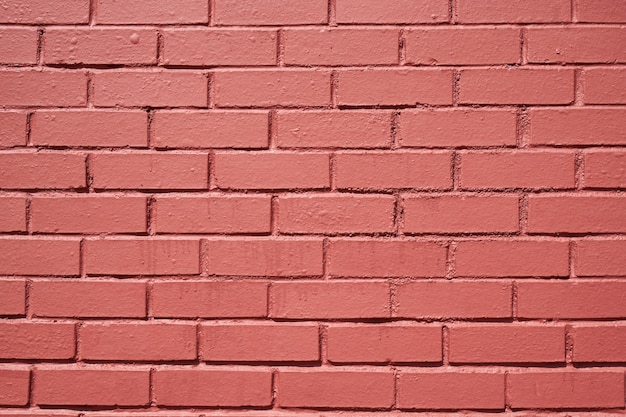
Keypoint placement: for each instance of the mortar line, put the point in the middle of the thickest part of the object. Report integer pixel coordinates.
(524, 45)
(332, 13)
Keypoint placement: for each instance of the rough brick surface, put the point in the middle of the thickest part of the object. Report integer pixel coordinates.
(23, 340)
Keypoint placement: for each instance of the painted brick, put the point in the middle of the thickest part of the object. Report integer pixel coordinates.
(18, 45)
(151, 12)
(270, 12)
(27, 87)
(605, 169)
(515, 11)
(45, 11)
(13, 217)
(601, 11)
(42, 171)
(14, 386)
(39, 256)
(599, 343)
(41, 341)
(604, 85)
(12, 297)
(601, 257)
(400, 11)
(12, 128)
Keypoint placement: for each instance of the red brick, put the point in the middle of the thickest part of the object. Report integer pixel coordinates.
(576, 300)
(576, 214)
(460, 214)
(259, 342)
(275, 170)
(343, 46)
(513, 11)
(204, 47)
(386, 258)
(333, 129)
(13, 217)
(36, 256)
(599, 343)
(605, 169)
(41, 341)
(88, 214)
(516, 86)
(212, 388)
(265, 257)
(336, 389)
(45, 11)
(570, 389)
(12, 297)
(89, 128)
(141, 257)
(463, 46)
(12, 128)
(399, 11)
(191, 299)
(150, 171)
(18, 46)
(454, 299)
(43, 88)
(88, 299)
(601, 11)
(396, 343)
(270, 87)
(601, 257)
(14, 386)
(138, 341)
(335, 213)
(97, 46)
(517, 169)
(393, 87)
(150, 89)
(459, 128)
(135, 12)
(210, 129)
(576, 44)
(270, 12)
(329, 300)
(501, 258)
(42, 171)
(40, 413)
(508, 344)
(450, 390)
(383, 170)
(604, 86)
(232, 213)
(91, 387)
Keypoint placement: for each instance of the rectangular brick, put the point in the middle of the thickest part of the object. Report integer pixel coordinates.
(333, 129)
(335, 213)
(601, 257)
(45, 11)
(88, 214)
(386, 258)
(212, 388)
(572, 300)
(604, 85)
(141, 257)
(397, 170)
(445, 299)
(36, 256)
(138, 341)
(210, 129)
(599, 343)
(259, 342)
(12, 297)
(26, 87)
(19, 45)
(604, 169)
(12, 128)
(265, 257)
(150, 171)
(517, 169)
(40, 341)
(461, 214)
(601, 11)
(229, 214)
(396, 12)
(150, 89)
(329, 300)
(137, 12)
(463, 46)
(450, 390)
(516, 86)
(192, 299)
(510, 258)
(342, 46)
(219, 47)
(272, 170)
(375, 343)
(14, 386)
(91, 387)
(393, 87)
(13, 217)
(270, 87)
(98, 46)
(336, 389)
(571, 389)
(571, 44)
(514, 11)
(88, 299)
(270, 12)
(43, 171)
(89, 128)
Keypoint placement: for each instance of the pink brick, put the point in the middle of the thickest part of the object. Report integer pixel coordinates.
(12, 297)
(40, 256)
(604, 85)
(399, 11)
(601, 11)
(605, 169)
(43, 88)
(13, 218)
(12, 129)
(151, 12)
(599, 343)
(45, 11)
(601, 257)
(42, 171)
(18, 45)
(37, 341)
(14, 386)
(514, 11)
(270, 12)
(576, 44)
